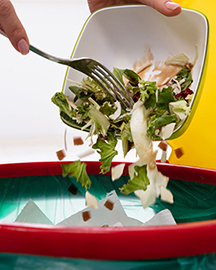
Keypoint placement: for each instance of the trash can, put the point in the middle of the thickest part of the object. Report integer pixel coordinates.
(188, 245)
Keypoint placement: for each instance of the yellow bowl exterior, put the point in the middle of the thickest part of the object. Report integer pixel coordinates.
(198, 141)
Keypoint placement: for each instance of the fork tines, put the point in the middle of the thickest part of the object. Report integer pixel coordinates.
(112, 85)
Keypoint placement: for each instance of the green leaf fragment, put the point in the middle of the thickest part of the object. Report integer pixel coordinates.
(80, 92)
(60, 100)
(101, 122)
(147, 89)
(164, 98)
(83, 111)
(132, 76)
(129, 74)
(106, 109)
(139, 181)
(126, 137)
(151, 102)
(119, 74)
(107, 151)
(156, 123)
(77, 170)
(184, 74)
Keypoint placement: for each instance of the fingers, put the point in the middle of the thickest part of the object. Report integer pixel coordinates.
(13, 27)
(166, 7)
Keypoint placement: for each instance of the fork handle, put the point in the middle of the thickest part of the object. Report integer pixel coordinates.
(48, 56)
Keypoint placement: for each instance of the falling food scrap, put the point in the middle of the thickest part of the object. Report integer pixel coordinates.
(86, 153)
(179, 152)
(91, 200)
(117, 171)
(163, 145)
(78, 141)
(61, 154)
(166, 195)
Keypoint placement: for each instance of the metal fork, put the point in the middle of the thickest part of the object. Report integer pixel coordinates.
(95, 70)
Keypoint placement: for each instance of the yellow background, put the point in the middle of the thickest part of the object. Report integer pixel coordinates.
(199, 140)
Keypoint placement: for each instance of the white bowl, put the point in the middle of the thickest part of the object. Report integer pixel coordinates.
(118, 36)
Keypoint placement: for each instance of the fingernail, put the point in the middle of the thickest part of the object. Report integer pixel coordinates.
(172, 5)
(23, 47)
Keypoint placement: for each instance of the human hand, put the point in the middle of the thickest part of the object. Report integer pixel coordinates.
(166, 7)
(13, 27)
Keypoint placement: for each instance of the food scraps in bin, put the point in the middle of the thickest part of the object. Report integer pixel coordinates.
(86, 215)
(101, 217)
(73, 189)
(109, 205)
(158, 108)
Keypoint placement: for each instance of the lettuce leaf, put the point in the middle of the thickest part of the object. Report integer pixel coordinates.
(140, 181)
(83, 111)
(165, 97)
(101, 122)
(59, 100)
(129, 74)
(157, 122)
(119, 74)
(180, 109)
(106, 149)
(77, 170)
(185, 73)
(126, 137)
(147, 89)
(132, 76)
(106, 109)
(151, 102)
(80, 92)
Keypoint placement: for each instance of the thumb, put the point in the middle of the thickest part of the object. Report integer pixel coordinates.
(13, 27)
(166, 7)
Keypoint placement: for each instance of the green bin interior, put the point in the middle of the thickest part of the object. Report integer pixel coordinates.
(191, 244)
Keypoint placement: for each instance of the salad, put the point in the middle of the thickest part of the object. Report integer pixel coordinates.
(156, 113)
